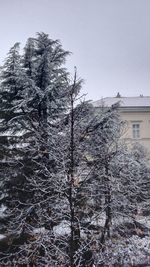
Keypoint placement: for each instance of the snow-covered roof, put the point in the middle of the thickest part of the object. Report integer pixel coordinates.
(139, 101)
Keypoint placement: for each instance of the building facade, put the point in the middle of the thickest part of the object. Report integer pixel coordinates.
(136, 112)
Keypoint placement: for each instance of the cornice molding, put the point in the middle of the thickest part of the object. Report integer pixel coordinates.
(134, 109)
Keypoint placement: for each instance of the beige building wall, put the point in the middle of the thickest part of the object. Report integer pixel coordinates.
(136, 112)
(142, 118)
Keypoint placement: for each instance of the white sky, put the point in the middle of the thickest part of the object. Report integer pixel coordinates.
(109, 39)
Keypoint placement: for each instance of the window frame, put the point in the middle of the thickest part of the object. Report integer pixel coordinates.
(136, 130)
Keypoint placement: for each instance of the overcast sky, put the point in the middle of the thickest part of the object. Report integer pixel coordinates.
(109, 39)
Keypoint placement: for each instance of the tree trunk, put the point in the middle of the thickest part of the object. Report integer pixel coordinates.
(74, 225)
(108, 210)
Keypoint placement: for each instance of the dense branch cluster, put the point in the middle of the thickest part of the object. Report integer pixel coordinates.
(69, 189)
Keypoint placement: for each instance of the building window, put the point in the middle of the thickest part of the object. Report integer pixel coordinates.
(136, 130)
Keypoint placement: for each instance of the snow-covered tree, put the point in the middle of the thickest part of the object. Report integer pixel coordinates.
(10, 94)
(35, 103)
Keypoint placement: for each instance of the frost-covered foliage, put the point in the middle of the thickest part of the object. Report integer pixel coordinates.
(66, 181)
(133, 251)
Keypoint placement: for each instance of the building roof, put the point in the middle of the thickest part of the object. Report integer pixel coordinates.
(139, 101)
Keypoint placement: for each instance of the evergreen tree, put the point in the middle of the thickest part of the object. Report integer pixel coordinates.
(10, 95)
(35, 94)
